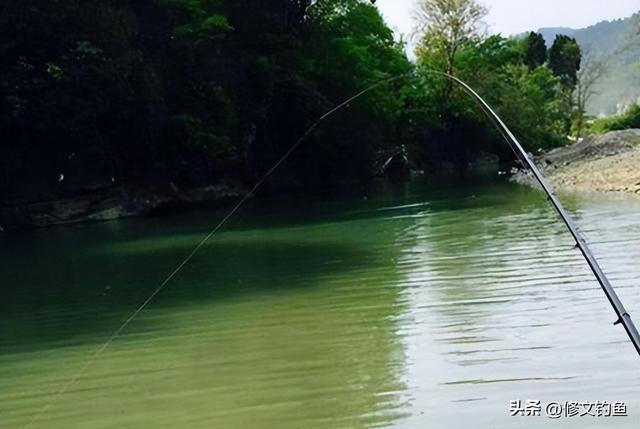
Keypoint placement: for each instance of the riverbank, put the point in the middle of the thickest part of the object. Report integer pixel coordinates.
(98, 204)
(111, 204)
(606, 163)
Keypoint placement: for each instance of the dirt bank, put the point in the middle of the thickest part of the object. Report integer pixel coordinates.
(607, 163)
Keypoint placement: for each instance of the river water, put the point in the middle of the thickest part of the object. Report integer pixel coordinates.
(411, 308)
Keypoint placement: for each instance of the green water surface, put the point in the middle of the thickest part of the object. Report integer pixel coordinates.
(404, 306)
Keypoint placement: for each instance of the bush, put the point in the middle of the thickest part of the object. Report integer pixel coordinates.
(629, 119)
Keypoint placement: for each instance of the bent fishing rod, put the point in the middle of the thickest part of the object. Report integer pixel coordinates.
(624, 318)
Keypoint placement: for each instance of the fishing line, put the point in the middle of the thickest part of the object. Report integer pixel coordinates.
(100, 350)
(514, 145)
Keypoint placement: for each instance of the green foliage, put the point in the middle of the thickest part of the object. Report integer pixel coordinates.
(511, 74)
(534, 105)
(219, 89)
(351, 47)
(193, 133)
(447, 26)
(198, 20)
(629, 119)
(535, 50)
(210, 133)
(533, 102)
(86, 48)
(347, 48)
(55, 71)
(488, 56)
(565, 57)
(77, 94)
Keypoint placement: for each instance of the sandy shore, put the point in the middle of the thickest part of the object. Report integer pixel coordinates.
(607, 163)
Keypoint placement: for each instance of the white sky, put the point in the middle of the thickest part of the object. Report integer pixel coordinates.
(517, 16)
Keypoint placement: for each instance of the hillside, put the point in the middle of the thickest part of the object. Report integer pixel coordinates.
(617, 44)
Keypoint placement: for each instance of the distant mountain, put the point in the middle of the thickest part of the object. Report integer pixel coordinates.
(617, 43)
(550, 33)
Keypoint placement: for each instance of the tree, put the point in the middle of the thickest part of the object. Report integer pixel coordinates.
(564, 59)
(534, 106)
(446, 26)
(198, 20)
(588, 77)
(535, 51)
(531, 101)
(347, 47)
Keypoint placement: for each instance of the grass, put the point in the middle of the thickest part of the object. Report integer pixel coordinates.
(625, 121)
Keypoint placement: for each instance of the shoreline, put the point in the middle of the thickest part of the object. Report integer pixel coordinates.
(112, 204)
(605, 163)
